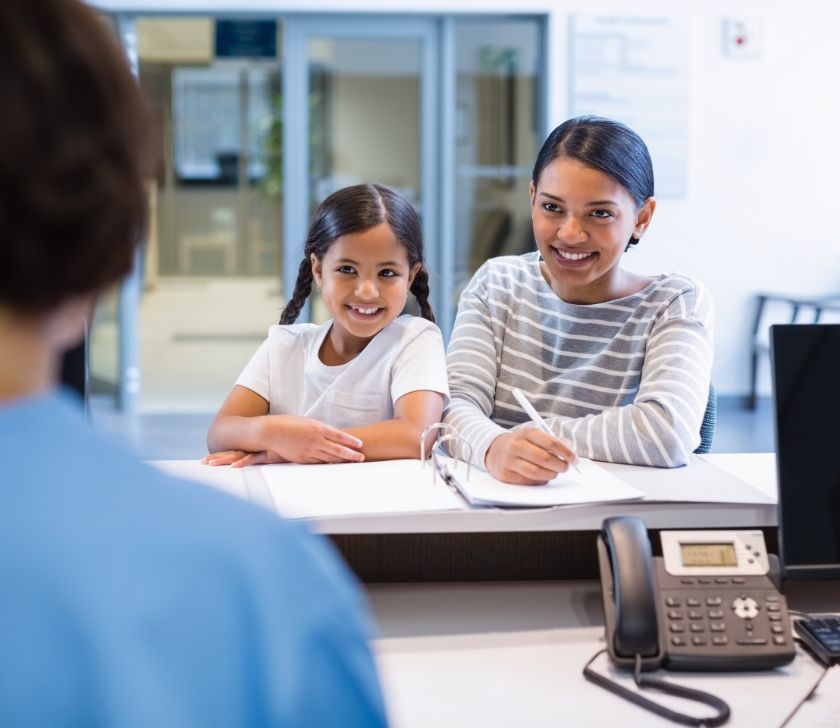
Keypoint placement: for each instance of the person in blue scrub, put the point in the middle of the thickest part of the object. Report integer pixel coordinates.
(128, 598)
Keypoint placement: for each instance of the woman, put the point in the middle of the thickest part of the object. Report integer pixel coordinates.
(617, 363)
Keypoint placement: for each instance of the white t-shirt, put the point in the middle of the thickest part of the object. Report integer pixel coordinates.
(406, 356)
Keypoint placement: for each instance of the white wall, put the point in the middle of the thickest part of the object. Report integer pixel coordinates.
(763, 184)
(763, 172)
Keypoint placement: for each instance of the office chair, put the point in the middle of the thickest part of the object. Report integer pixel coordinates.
(707, 426)
(74, 369)
(811, 309)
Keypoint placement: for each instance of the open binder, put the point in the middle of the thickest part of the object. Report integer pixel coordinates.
(398, 486)
(593, 485)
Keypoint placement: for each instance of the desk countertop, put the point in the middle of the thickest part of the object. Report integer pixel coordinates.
(729, 491)
(506, 654)
(744, 483)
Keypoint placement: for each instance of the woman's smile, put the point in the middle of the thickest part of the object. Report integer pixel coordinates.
(570, 258)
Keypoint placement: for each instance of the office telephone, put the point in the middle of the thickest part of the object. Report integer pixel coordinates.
(706, 604)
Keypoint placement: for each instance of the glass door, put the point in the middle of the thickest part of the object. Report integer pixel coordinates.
(257, 121)
(207, 285)
(362, 93)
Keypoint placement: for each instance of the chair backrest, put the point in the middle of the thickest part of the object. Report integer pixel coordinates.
(74, 369)
(707, 426)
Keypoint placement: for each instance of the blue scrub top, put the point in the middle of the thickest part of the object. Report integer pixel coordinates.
(129, 598)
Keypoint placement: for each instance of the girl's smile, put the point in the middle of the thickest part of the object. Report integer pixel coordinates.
(365, 313)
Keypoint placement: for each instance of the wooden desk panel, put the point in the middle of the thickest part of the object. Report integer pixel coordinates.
(500, 556)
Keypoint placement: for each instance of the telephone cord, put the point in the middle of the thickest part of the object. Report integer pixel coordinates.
(652, 683)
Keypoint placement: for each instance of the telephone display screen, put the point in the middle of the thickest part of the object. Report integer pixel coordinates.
(708, 554)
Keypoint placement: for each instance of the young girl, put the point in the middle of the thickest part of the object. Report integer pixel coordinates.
(362, 386)
(617, 363)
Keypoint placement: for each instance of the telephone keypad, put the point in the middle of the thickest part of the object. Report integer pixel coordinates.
(741, 619)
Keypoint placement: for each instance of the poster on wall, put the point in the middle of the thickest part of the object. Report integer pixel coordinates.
(634, 69)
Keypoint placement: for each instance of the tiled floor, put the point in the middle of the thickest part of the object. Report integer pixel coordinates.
(182, 436)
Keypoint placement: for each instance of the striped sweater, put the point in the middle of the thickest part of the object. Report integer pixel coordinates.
(623, 381)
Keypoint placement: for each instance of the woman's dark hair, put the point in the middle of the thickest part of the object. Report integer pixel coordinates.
(354, 210)
(73, 155)
(606, 145)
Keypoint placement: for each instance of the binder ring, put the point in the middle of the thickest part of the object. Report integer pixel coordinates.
(454, 437)
(449, 429)
(450, 434)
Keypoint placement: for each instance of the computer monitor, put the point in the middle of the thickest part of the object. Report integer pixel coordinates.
(806, 396)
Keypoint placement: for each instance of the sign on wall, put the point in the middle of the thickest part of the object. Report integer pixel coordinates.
(246, 39)
(634, 69)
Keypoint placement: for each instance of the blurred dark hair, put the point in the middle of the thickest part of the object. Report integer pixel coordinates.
(354, 210)
(73, 155)
(606, 145)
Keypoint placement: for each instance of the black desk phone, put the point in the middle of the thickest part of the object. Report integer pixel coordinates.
(706, 604)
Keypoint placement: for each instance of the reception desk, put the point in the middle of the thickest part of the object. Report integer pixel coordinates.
(721, 491)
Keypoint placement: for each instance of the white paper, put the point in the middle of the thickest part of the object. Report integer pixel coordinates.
(345, 489)
(222, 477)
(592, 485)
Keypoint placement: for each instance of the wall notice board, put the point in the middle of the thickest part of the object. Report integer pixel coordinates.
(634, 69)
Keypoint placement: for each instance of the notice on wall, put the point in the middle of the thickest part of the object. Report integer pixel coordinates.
(634, 69)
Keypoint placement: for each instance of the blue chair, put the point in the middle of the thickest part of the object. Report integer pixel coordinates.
(707, 426)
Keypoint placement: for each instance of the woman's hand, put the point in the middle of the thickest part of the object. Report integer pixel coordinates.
(528, 456)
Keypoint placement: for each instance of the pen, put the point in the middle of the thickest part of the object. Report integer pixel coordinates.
(535, 416)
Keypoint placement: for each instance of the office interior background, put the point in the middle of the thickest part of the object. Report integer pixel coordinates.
(263, 108)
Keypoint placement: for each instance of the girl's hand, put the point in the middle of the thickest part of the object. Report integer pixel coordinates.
(240, 458)
(304, 440)
(528, 456)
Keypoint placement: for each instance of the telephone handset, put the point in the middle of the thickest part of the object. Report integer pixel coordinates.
(706, 604)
